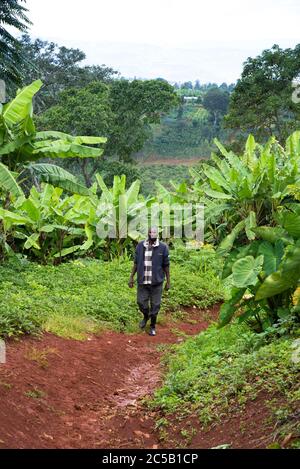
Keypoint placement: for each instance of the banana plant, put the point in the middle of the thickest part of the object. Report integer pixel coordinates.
(249, 187)
(121, 214)
(48, 225)
(21, 144)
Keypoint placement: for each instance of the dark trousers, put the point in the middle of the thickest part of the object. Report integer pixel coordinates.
(149, 294)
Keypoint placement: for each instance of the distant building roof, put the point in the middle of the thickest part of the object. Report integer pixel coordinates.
(190, 98)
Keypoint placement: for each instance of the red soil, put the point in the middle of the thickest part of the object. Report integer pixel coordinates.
(88, 394)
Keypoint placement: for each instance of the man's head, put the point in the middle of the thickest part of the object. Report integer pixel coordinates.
(153, 234)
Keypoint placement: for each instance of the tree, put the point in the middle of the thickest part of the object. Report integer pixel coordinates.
(197, 85)
(21, 146)
(216, 102)
(121, 111)
(262, 99)
(60, 68)
(136, 105)
(12, 13)
(187, 85)
(81, 111)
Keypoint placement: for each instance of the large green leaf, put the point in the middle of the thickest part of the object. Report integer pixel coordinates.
(227, 243)
(59, 177)
(19, 108)
(291, 223)
(216, 194)
(48, 134)
(104, 188)
(14, 145)
(8, 181)
(214, 175)
(221, 148)
(249, 155)
(229, 307)
(272, 255)
(32, 241)
(285, 278)
(89, 242)
(52, 134)
(293, 144)
(291, 261)
(90, 140)
(62, 149)
(13, 218)
(250, 223)
(133, 192)
(31, 209)
(272, 234)
(245, 271)
(273, 285)
(66, 251)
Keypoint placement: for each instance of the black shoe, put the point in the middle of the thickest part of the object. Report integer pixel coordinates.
(152, 331)
(143, 323)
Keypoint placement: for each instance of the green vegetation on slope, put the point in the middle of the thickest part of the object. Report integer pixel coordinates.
(219, 371)
(163, 174)
(84, 296)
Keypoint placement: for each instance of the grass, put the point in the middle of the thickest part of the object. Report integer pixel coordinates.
(35, 394)
(40, 356)
(220, 370)
(78, 298)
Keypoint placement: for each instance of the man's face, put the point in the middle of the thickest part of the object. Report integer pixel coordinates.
(153, 234)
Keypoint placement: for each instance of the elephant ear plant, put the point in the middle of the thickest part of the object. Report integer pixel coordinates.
(265, 275)
(253, 214)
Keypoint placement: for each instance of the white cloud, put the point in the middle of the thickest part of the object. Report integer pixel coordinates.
(172, 38)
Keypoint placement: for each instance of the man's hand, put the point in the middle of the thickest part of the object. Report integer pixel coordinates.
(168, 286)
(131, 282)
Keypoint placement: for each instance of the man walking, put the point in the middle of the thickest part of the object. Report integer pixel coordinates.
(152, 265)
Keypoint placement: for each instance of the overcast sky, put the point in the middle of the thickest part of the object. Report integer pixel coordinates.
(176, 39)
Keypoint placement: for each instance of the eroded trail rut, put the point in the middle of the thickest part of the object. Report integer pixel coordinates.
(58, 393)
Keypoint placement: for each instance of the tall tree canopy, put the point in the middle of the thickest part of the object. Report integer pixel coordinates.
(261, 102)
(121, 110)
(216, 101)
(12, 13)
(136, 105)
(59, 67)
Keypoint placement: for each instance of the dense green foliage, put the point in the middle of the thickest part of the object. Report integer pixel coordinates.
(261, 102)
(21, 146)
(164, 174)
(184, 133)
(122, 111)
(84, 296)
(60, 68)
(12, 14)
(251, 253)
(219, 371)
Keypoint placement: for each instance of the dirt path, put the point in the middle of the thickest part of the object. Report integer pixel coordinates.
(58, 393)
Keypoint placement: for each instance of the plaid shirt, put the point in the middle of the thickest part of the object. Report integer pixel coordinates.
(148, 261)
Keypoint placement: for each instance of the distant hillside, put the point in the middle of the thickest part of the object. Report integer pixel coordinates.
(188, 131)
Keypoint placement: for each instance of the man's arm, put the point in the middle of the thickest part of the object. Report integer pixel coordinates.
(131, 279)
(134, 269)
(167, 272)
(166, 267)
